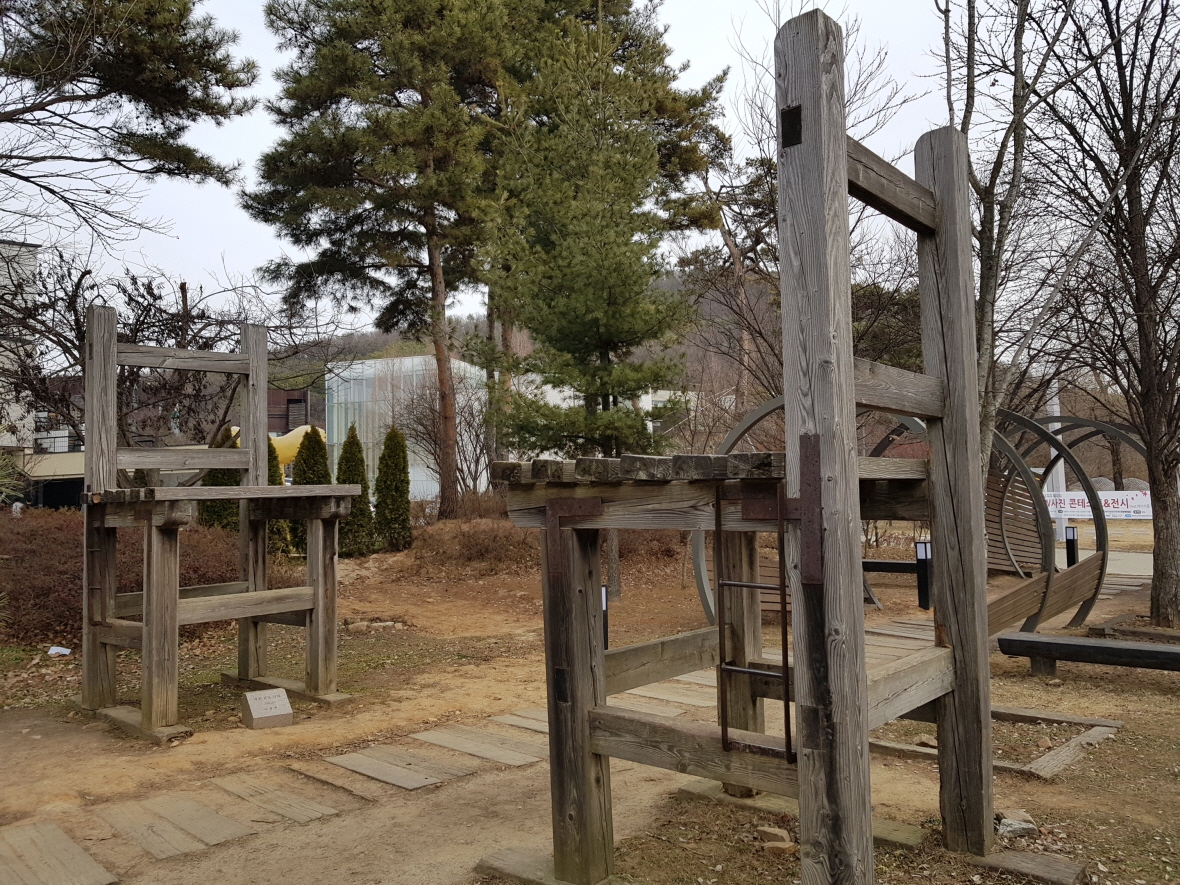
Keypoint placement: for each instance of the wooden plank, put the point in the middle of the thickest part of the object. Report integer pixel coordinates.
(120, 633)
(182, 360)
(300, 508)
(334, 776)
(692, 748)
(290, 806)
(819, 388)
(1052, 763)
(444, 771)
(958, 578)
(700, 467)
(130, 719)
(321, 626)
(1016, 604)
(649, 468)
(483, 749)
(676, 694)
(1088, 650)
(907, 683)
(632, 666)
(219, 493)
(878, 183)
(1046, 868)
(892, 468)
(180, 458)
(525, 744)
(897, 391)
(630, 702)
(132, 603)
(252, 535)
(120, 516)
(198, 820)
(575, 682)
(99, 582)
(156, 836)
(253, 538)
(204, 609)
(41, 854)
(383, 771)
(161, 634)
(553, 470)
(521, 722)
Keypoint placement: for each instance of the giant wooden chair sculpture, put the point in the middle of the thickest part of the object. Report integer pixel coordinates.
(150, 619)
(812, 488)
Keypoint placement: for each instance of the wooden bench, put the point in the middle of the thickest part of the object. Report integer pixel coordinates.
(1044, 652)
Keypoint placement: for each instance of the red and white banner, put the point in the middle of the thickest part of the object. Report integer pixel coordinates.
(1116, 505)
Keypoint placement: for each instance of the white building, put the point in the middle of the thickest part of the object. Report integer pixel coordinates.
(372, 394)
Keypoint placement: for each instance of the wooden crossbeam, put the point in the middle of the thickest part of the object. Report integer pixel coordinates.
(878, 183)
(184, 360)
(181, 459)
(646, 662)
(692, 748)
(203, 609)
(897, 391)
(219, 493)
(127, 604)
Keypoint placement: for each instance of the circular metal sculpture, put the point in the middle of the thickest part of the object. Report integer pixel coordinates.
(1021, 536)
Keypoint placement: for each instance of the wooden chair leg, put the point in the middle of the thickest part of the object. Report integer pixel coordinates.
(98, 658)
(251, 633)
(161, 635)
(321, 626)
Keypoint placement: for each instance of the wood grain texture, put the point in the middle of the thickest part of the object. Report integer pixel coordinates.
(878, 183)
(1055, 761)
(321, 627)
(206, 609)
(632, 666)
(907, 683)
(198, 820)
(131, 604)
(181, 458)
(252, 568)
(381, 770)
(41, 854)
(99, 581)
(958, 578)
(1088, 650)
(262, 794)
(835, 826)
(575, 679)
(744, 709)
(158, 837)
(252, 533)
(692, 748)
(219, 493)
(161, 633)
(182, 360)
(897, 391)
(480, 746)
(1039, 867)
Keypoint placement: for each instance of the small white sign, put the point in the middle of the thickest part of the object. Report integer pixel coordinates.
(266, 709)
(1116, 505)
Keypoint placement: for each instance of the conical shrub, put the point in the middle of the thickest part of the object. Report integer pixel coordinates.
(310, 468)
(223, 514)
(356, 529)
(392, 523)
(278, 531)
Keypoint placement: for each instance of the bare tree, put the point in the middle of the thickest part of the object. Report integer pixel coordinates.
(416, 411)
(1108, 144)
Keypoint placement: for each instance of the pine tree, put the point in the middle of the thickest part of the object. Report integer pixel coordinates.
(392, 524)
(278, 531)
(596, 194)
(356, 529)
(223, 514)
(310, 468)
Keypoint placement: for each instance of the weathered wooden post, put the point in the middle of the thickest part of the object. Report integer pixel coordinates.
(583, 830)
(957, 531)
(836, 843)
(98, 574)
(743, 613)
(252, 532)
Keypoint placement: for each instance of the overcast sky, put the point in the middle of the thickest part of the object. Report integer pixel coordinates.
(205, 233)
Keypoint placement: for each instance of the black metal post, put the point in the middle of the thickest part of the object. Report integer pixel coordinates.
(922, 553)
(1071, 545)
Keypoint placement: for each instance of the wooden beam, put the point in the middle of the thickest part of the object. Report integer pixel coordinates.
(182, 360)
(741, 609)
(124, 634)
(647, 662)
(579, 777)
(322, 550)
(204, 609)
(878, 183)
(129, 604)
(897, 391)
(692, 748)
(835, 820)
(908, 683)
(218, 493)
(161, 636)
(1087, 650)
(252, 528)
(300, 508)
(958, 580)
(177, 458)
(145, 513)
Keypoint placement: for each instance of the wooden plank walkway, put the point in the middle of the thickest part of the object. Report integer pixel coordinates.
(41, 854)
(401, 768)
(484, 745)
(198, 820)
(158, 837)
(280, 802)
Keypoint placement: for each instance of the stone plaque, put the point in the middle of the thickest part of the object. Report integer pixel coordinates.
(266, 709)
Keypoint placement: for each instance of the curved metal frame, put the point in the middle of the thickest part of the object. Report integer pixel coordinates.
(1061, 451)
(1101, 536)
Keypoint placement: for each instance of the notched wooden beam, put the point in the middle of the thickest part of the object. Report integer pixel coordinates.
(878, 183)
(893, 390)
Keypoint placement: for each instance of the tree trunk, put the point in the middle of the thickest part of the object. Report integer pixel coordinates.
(1116, 464)
(448, 458)
(491, 415)
(1165, 571)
